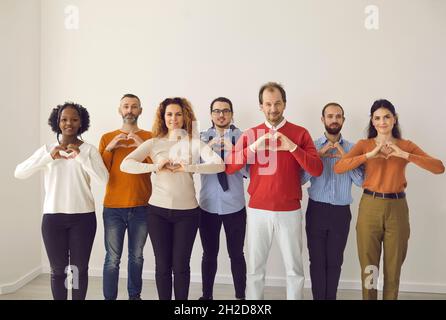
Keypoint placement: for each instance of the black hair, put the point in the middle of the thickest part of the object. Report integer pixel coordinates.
(222, 99)
(54, 118)
(332, 104)
(386, 104)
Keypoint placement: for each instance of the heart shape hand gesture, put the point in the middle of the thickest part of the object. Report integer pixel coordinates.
(167, 165)
(66, 153)
(273, 141)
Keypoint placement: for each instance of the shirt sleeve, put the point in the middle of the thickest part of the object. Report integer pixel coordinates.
(91, 162)
(352, 160)
(356, 175)
(38, 161)
(423, 160)
(211, 162)
(308, 157)
(107, 156)
(238, 157)
(134, 164)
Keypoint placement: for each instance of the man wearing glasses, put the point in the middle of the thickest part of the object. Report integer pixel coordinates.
(222, 201)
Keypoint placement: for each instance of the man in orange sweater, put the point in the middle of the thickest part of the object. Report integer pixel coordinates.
(125, 202)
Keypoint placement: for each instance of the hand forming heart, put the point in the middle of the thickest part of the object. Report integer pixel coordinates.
(168, 165)
(274, 141)
(62, 152)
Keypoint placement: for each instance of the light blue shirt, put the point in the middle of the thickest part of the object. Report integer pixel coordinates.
(330, 187)
(212, 197)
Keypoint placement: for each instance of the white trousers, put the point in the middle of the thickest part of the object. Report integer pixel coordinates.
(286, 228)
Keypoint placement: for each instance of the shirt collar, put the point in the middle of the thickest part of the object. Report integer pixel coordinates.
(280, 125)
(323, 140)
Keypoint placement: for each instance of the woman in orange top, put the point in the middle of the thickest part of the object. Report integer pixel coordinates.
(383, 217)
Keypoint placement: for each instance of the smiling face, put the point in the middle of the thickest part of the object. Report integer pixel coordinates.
(273, 106)
(173, 117)
(383, 120)
(333, 119)
(130, 109)
(70, 122)
(221, 114)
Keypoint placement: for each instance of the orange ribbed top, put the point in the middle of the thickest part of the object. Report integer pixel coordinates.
(386, 175)
(124, 190)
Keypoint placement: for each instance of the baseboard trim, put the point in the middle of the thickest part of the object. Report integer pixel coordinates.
(16, 285)
(281, 281)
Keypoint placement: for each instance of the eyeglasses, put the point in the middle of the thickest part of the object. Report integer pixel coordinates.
(224, 111)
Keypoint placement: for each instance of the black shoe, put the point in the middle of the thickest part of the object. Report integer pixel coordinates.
(205, 298)
(138, 297)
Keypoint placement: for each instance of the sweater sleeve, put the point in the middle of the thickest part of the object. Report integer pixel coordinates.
(238, 157)
(307, 156)
(212, 163)
(134, 164)
(423, 160)
(92, 163)
(107, 156)
(352, 160)
(38, 161)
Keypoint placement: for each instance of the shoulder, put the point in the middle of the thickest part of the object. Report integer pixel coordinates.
(88, 146)
(406, 144)
(144, 134)
(110, 135)
(295, 129)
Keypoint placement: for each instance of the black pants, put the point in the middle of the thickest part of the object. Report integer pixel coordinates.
(172, 233)
(327, 229)
(235, 228)
(68, 240)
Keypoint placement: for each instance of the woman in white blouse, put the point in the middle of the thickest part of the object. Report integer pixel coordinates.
(175, 150)
(69, 221)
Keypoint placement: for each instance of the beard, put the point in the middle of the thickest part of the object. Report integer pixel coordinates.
(130, 118)
(222, 126)
(333, 129)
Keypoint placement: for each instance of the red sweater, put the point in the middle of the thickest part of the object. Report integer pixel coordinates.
(275, 175)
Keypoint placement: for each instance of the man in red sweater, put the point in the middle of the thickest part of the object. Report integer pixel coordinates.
(277, 151)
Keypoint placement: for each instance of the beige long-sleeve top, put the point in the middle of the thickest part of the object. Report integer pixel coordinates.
(173, 190)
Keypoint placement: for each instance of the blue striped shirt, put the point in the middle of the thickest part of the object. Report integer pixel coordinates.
(331, 187)
(212, 197)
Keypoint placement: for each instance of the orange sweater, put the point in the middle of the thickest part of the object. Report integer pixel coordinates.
(124, 190)
(386, 175)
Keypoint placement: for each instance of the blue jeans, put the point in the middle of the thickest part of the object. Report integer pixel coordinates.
(116, 221)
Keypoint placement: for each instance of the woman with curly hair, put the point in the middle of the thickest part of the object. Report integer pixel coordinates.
(383, 217)
(69, 221)
(175, 150)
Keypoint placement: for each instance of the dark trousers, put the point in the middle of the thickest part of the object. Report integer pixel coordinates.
(68, 240)
(172, 233)
(327, 228)
(235, 228)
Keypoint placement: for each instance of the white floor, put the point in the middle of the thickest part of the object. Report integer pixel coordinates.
(39, 289)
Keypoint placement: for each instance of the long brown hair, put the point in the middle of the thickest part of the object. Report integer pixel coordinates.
(159, 128)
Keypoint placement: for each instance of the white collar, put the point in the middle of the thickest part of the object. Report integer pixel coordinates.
(280, 125)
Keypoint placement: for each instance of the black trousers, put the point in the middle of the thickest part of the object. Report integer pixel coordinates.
(68, 240)
(235, 229)
(172, 233)
(327, 228)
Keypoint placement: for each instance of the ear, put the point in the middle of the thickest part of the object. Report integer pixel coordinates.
(119, 110)
(322, 119)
